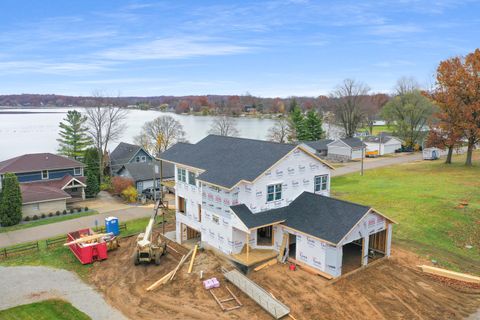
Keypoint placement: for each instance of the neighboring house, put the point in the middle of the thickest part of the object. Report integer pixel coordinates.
(319, 147)
(127, 153)
(383, 143)
(47, 181)
(142, 173)
(345, 149)
(254, 199)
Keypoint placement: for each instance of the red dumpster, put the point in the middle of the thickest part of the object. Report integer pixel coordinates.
(87, 252)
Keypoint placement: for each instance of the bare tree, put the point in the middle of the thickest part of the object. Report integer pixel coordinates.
(372, 108)
(406, 85)
(224, 126)
(160, 134)
(349, 99)
(280, 131)
(105, 124)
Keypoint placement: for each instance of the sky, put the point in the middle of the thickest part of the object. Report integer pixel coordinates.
(265, 48)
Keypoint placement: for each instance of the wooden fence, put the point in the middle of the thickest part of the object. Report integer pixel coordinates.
(21, 249)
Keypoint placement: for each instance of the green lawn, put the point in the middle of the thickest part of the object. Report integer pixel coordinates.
(378, 129)
(49, 220)
(424, 198)
(61, 257)
(45, 310)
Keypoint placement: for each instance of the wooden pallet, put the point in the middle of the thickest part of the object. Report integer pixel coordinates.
(222, 302)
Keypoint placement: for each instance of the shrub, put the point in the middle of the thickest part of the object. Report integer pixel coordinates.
(130, 194)
(57, 213)
(85, 209)
(50, 214)
(72, 210)
(43, 216)
(64, 212)
(35, 217)
(10, 201)
(79, 209)
(27, 218)
(119, 184)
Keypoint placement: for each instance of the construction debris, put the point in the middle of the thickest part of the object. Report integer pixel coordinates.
(266, 264)
(89, 238)
(169, 276)
(450, 274)
(190, 267)
(221, 302)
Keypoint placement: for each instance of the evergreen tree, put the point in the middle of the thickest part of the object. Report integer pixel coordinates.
(73, 135)
(313, 127)
(293, 105)
(10, 201)
(296, 125)
(92, 170)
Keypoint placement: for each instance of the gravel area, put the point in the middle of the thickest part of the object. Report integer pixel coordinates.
(28, 284)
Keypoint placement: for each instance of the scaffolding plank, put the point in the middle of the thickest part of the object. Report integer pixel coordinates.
(257, 294)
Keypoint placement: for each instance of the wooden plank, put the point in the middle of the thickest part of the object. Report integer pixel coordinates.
(180, 264)
(248, 246)
(311, 269)
(190, 267)
(266, 264)
(87, 238)
(234, 296)
(160, 282)
(450, 274)
(283, 246)
(216, 299)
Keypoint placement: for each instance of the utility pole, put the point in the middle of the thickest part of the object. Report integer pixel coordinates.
(363, 156)
(161, 196)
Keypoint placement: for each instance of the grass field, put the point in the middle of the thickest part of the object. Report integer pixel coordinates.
(49, 220)
(424, 198)
(45, 310)
(61, 257)
(378, 129)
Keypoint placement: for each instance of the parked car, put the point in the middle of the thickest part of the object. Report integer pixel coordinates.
(151, 194)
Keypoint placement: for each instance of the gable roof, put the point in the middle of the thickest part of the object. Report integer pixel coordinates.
(353, 142)
(48, 190)
(123, 153)
(142, 171)
(228, 160)
(382, 137)
(37, 162)
(318, 144)
(322, 217)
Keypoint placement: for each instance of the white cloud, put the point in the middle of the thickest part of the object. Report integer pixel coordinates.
(27, 66)
(173, 48)
(394, 29)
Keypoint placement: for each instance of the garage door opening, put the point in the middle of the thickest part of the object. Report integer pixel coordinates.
(353, 251)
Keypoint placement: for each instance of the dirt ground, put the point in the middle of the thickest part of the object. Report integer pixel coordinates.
(388, 289)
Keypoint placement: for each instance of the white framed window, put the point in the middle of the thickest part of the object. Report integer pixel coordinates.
(191, 178)
(137, 159)
(144, 159)
(274, 192)
(215, 218)
(321, 183)
(77, 171)
(181, 175)
(44, 174)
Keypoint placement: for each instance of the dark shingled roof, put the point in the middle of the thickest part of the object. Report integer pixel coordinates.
(323, 217)
(227, 160)
(46, 190)
(37, 162)
(376, 139)
(123, 153)
(318, 144)
(353, 142)
(253, 220)
(142, 171)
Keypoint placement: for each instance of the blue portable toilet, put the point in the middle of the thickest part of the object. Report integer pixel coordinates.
(111, 225)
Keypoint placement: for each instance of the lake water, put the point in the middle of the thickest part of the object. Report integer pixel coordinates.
(36, 130)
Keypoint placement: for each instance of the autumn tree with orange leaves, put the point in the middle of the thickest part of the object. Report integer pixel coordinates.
(457, 93)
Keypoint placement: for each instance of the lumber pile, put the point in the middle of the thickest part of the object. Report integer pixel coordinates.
(450, 274)
(171, 275)
(190, 267)
(91, 238)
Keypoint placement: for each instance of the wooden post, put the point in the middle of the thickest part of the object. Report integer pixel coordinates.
(365, 245)
(248, 249)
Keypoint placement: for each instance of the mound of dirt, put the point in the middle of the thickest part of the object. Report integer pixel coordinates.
(386, 290)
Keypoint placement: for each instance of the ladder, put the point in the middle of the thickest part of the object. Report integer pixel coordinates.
(222, 302)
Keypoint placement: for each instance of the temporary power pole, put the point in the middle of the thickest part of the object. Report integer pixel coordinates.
(161, 197)
(363, 156)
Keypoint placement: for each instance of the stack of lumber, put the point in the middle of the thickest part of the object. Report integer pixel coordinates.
(450, 274)
(171, 275)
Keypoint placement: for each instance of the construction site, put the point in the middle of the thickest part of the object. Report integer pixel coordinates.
(178, 288)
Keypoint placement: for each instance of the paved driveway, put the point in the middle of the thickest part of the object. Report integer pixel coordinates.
(63, 227)
(24, 285)
(377, 163)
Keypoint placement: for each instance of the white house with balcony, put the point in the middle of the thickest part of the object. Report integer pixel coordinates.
(255, 200)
